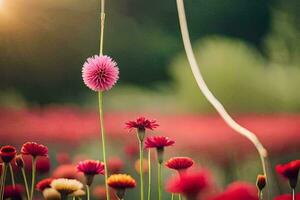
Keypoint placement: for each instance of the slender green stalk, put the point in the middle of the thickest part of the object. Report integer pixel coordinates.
(159, 183)
(260, 195)
(25, 182)
(87, 192)
(3, 179)
(33, 177)
(149, 174)
(179, 197)
(100, 101)
(12, 175)
(141, 144)
(73, 197)
(172, 197)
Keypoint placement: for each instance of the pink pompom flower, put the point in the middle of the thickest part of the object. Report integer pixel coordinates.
(90, 168)
(181, 164)
(100, 73)
(34, 149)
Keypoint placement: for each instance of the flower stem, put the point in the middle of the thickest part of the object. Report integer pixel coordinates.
(100, 101)
(159, 182)
(25, 183)
(141, 144)
(207, 93)
(149, 174)
(172, 197)
(179, 197)
(102, 24)
(87, 192)
(33, 177)
(260, 195)
(12, 175)
(293, 194)
(4, 170)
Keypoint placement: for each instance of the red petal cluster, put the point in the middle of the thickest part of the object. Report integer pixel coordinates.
(34, 149)
(238, 191)
(189, 184)
(158, 142)
(91, 167)
(290, 171)
(8, 153)
(287, 197)
(11, 192)
(179, 163)
(142, 123)
(43, 184)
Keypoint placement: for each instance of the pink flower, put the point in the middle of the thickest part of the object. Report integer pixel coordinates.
(142, 123)
(189, 184)
(290, 171)
(91, 167)
(158, 142)
(8, 153)
(34, 149)
(238, 191)
(100, 73)
(179, 163)
(287, 197)
(43, 184)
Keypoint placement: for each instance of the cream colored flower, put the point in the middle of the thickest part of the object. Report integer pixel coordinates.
(51, 194)
(79, 193)
(66, 186)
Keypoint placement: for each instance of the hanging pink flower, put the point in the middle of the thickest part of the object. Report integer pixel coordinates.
(100, 73)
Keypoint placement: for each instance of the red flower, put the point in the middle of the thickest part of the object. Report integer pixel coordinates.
(189, 184)
(34, 149)
(158, 142)
(238, 191)
(142, 123)
(179, 163)
(115, 165)
(91, 167)
(287, 197)
(8, 153)
(290, 171)
(14, 193)
(43, 184)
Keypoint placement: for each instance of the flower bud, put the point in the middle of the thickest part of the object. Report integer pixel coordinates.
(19, 161)
(261, 182)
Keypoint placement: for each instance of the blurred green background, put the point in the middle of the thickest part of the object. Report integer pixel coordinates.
(248, 52)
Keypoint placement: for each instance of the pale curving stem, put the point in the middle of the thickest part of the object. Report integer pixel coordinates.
(207, 93)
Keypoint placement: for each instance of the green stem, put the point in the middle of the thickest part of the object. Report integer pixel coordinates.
(102, 23)
(25, 183)
(33, 177)
(141, 168)
(149, 174)
(12, 175)
(87, 192)
(172, 197)
(100, 101)
(3, 180)
(159, 182)
(179, 197)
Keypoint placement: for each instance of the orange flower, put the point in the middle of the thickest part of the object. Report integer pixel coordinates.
(121, 182)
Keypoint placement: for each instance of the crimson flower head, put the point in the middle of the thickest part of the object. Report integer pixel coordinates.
(34, 149)
(189, 184)
(8, 153)
(158, 142)
(100, 73)
(141, 124)
(287, 197)
(43, 184)
(91, 167)
(13, 192)
(179, 163)
(238, 191)
(290, 171)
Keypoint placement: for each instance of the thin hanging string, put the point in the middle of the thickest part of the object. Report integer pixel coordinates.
(207, 93)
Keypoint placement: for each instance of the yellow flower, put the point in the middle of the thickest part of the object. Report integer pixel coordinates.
(66, 186)
(51, 194)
